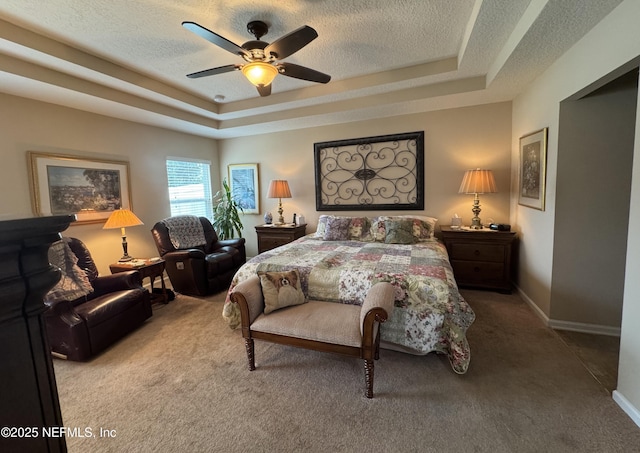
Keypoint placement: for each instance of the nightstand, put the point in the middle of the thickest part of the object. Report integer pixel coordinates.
(481, 258)
(272, 236)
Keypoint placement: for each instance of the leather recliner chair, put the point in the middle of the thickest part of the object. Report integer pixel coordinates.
(117, 304)
(202, 269)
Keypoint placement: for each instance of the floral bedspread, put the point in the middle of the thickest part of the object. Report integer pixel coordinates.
(429, 314)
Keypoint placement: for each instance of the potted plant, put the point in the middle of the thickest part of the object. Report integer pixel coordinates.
(226, 213)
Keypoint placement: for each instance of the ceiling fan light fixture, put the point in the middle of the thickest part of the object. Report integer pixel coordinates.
(260, 73)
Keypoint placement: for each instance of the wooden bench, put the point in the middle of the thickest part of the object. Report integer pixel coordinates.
(350, 330)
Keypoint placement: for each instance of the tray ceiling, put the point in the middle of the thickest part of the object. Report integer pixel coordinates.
(129, 59)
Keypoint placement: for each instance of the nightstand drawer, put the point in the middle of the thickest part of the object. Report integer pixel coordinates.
(271, 242)
(478, 252)
(479, 273)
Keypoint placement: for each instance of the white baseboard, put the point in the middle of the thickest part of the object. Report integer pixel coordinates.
(147, 283)
(533, 306)
(620, 400)
(585, 328)
(557, 324)
(627, 407)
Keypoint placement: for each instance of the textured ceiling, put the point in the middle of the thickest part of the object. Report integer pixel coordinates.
(129, 59)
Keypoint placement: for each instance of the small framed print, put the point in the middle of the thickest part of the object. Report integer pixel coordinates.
(244, 184)
(533, 169)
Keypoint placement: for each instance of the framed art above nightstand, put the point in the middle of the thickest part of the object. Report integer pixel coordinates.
(481, 258)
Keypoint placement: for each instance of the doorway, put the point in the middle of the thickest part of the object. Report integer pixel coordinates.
(593, 190)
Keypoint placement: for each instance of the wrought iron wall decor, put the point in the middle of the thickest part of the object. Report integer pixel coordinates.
(383, 172)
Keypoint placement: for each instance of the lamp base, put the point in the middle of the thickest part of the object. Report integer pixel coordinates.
(125, 257)
(476, 224)
(280, 211)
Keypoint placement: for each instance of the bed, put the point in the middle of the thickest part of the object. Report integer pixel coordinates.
(430, 315)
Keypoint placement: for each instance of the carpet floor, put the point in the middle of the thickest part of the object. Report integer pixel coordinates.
(180, 383)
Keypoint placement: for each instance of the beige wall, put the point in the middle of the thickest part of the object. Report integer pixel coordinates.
(27, 125)
(455, 140)
(610, 45)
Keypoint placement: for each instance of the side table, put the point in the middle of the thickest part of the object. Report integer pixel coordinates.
(147, 268)
(272, 236)
(481, 258)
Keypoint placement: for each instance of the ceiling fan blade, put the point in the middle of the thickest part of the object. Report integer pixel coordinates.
(264, 90)
(288, 44)
(214, 38)
(214, 71)
(300, 72)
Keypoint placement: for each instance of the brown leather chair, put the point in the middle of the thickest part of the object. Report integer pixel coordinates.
(116, 305)
(201, 269)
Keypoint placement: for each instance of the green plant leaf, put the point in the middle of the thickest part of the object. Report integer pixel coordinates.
(226, 213)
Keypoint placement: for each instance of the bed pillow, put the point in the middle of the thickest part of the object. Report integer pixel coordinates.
(399, 231)
(337, 229)
(280, 289)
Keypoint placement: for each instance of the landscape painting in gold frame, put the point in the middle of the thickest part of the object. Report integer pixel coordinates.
(89, 188)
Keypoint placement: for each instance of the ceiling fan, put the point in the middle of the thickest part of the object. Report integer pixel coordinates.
(262, 59)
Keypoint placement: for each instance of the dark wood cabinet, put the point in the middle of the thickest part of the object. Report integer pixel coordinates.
(272, 236)
(29, 403)
(481, 258)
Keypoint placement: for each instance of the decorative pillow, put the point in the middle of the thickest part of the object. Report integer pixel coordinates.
(423, 226)
(281, 289)
(399, 231)
(337, 229)
(377, 231)
(322, 225)
(74, 282)
(359, 229)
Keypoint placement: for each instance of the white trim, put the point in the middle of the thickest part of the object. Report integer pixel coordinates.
(595, 329)
(533, 306)
(165, 277)
(627, 407)
(189, 159)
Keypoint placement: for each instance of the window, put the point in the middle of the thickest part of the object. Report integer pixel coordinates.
(190, 187)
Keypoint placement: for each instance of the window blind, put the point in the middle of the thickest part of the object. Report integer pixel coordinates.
(190, 187)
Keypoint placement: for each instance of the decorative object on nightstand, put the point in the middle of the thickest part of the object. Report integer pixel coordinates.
(268, 218)
(481, 258)
(272, 236)
(279, 188)
(475, 182)
(122, 218)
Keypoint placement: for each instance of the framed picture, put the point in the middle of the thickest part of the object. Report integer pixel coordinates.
(89, 188)
(245, 186)
(533, 169)
(371, 173)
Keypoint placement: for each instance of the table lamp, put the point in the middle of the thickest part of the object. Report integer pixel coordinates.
(279, 188)
(475, 182)
(121, 218)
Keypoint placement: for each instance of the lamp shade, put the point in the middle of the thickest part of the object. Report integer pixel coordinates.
(478, 181)
(260, 73)
(279, 188)
(121, 218)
